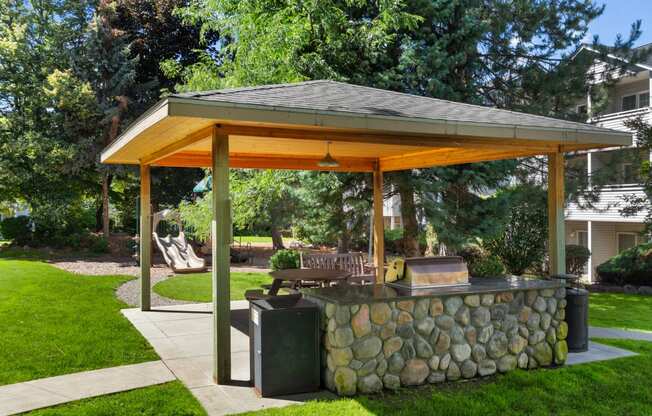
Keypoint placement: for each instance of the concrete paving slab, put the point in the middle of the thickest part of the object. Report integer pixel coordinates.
(186, 348)
(597, 352)
(23, 397)
(597, 332)
(51, 391)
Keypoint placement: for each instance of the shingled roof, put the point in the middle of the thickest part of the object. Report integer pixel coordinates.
(332, 96)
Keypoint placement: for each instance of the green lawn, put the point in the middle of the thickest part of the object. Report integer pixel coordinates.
(197, 287)
(259, 239)
(617, 310)
(54, 322)
(170, 399)
(617, 387)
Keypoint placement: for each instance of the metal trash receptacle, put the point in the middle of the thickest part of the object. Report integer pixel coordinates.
(284, 345)
(577, 318)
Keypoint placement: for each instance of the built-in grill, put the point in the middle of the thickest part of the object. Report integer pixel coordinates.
(425, 272)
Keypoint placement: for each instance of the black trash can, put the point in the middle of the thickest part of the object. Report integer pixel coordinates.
(284, 345)
(577, 318)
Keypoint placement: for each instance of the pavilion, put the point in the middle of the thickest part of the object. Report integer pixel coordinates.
(288, 126)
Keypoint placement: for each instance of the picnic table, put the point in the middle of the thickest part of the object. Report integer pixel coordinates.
(298, 277)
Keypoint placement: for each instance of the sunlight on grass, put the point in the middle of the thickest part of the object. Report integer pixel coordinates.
(54, 322)
(618, 310)
(197, 287)
(601, 388)
(170, 399)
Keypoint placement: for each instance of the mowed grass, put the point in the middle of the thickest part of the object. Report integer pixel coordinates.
(197, 287)
(259, 239)
(616, 387)
(170, 399)
(53, 322)
(617, 310)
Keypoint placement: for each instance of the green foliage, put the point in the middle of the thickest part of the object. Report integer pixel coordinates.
(481, 263)
(334, 209)
(633, 266)
(285, 259)
(576, 258)
(197, 217)
(99, 245)
(522, 243)
(489, 266)
(636, 204)
(17, 229)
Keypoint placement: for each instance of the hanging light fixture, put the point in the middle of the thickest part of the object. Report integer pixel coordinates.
(328, 161)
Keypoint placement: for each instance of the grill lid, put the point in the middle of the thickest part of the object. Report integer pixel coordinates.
(423, 272)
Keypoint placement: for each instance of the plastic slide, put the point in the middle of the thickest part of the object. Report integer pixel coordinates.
(178, 254)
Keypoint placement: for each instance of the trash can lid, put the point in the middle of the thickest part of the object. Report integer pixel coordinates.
(283, 302)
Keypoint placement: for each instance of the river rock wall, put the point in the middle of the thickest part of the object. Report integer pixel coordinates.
(385, 345)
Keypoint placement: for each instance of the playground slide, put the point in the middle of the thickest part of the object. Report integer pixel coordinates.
(178, 254)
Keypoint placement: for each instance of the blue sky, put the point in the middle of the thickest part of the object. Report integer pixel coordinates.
(618, 17)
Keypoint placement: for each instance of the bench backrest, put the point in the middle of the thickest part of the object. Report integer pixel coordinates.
(353, 263)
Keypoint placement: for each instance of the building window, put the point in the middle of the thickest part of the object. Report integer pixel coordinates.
(634, 101)
(581, 110)
(583, 238)
(628, 172)
(629, 102)
(625, 241)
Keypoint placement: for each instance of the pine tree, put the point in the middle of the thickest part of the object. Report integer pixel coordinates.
(105, 62)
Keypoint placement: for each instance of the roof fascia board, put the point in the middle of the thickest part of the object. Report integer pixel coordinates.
(149, 118)
(617, 58)
(184, 107)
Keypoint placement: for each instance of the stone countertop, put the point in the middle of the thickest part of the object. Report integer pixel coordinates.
(359, 294)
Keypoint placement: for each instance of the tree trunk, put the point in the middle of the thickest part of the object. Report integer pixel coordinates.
(344, 242)
(409, 219)
(106, 185)
(277, 238)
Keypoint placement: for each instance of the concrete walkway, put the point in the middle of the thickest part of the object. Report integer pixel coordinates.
(596, 332)
(46, 392)
(182, 337)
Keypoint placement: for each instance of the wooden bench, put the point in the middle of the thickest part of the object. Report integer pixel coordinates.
(354, 263)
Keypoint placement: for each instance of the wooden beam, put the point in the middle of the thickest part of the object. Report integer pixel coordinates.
(379, 227)
(444, 157)
(556, 231)
(384, 138)
(220, 240)
(178, 145)
(145, 239)
(255, 161)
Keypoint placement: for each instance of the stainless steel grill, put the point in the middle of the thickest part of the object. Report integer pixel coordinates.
(424, 272)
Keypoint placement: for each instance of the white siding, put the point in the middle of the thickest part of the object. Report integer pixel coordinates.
(609, 206)
(616, 121)
(604, 241)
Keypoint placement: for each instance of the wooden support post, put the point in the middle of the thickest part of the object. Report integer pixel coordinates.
(556, 233)
(379, 227)
(145, 238)
(221, 235)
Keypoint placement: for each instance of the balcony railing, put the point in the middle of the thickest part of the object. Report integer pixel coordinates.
(620, 115)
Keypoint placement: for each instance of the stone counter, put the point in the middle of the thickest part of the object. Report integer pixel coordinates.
(377, 336)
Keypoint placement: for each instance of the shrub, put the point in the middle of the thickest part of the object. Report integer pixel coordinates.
(480, 262)
(522, 244)
(490, 266)
(285, 259)
(99, 245)
(632, 266)
(576, 258)
(17, 229)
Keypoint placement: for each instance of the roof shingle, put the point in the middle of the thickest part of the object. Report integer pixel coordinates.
(324, 95)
